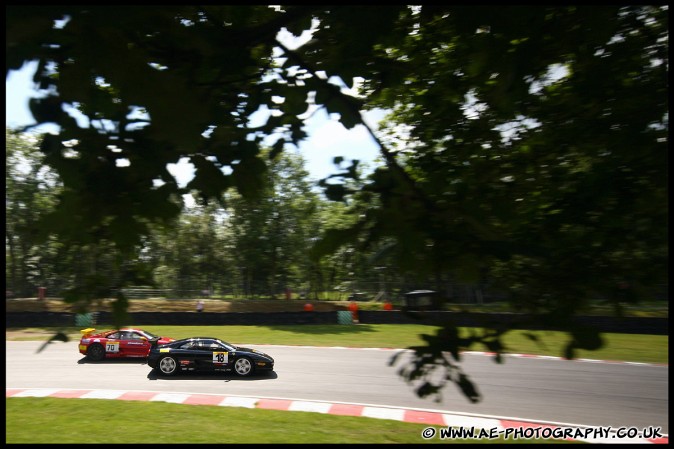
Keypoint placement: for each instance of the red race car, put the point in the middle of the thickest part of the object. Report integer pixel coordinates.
(126, 342)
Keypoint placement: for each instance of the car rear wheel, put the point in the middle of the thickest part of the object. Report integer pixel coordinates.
(96, 352)
(243, 366)
(168, 366)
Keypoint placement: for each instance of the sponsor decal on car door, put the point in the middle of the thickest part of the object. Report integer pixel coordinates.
(133, 345)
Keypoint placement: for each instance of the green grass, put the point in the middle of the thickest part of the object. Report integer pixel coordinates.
(93, 421)
(624, 347)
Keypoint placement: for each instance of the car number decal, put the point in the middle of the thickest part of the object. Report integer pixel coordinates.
(165, 350)
(220, 357)
(112, 346)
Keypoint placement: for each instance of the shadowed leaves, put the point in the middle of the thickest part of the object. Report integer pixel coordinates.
(59, 336)
(433, 366)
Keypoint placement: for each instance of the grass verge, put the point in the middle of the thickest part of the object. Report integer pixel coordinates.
(93, 421)
(619, 347)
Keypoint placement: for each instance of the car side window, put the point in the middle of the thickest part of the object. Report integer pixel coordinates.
(114, 336)
(188, 345)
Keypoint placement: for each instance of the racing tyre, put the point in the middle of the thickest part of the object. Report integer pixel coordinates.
(96, 352)
(243, 366)
(168, 366)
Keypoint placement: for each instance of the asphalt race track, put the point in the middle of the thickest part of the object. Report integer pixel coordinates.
(523, 388)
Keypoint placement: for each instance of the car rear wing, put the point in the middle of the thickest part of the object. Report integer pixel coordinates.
(154, 342)
(88, 331)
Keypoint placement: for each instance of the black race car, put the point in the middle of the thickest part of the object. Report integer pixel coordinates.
(207, 354)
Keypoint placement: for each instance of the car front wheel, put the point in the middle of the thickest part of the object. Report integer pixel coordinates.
(96, 352)
(168, 366)
(243, 367)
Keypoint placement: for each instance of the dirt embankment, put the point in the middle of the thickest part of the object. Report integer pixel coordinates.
(157, 305)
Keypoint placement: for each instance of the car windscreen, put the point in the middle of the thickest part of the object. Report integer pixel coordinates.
(150, 335)
(227, 346)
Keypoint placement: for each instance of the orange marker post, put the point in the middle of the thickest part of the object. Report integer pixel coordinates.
(353, 307)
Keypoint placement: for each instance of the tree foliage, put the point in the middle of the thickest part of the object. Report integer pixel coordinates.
(79, 271)
(526, 146)
(533, 161)
(30, 193)
(271, 234)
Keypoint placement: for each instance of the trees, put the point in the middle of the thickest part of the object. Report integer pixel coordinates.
(34, 257)
(192, 254)
(525, 159)
(534, 138)
(30, 192)
(271, 234)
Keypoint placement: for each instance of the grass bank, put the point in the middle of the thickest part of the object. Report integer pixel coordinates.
(623, 347)
(95, 421)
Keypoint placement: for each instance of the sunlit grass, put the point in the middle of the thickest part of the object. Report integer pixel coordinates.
(622, 347)
(95, 421)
